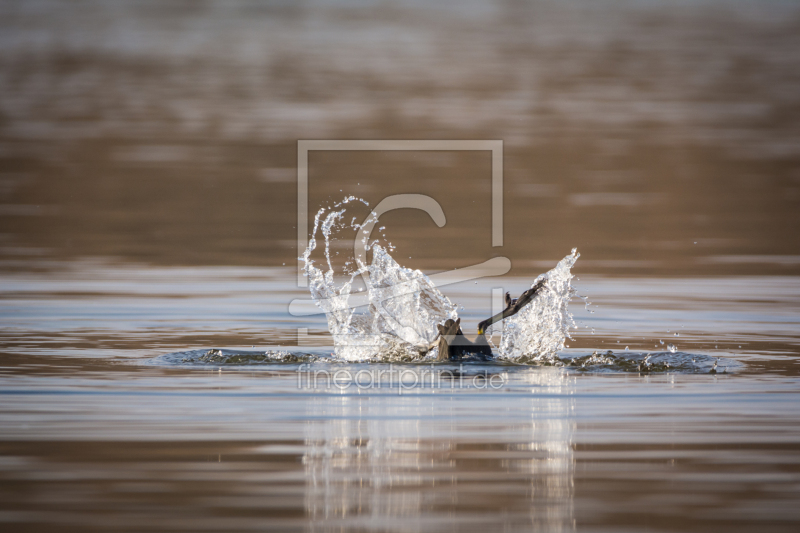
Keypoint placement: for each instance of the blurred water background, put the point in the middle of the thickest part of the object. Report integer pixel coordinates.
(148, 162)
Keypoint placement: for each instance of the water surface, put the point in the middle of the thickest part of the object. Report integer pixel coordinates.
(105, 428)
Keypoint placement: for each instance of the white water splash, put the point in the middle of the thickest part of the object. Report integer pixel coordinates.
(539, 330)
(401, 307)
(398, 313)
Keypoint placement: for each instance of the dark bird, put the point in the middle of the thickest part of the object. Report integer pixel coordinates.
(453, 344)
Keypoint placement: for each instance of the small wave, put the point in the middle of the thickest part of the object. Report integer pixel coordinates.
(657, 362)
(221, 357)
(596, 362)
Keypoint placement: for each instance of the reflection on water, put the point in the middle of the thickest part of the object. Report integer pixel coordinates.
(410, 462)
(148, 449)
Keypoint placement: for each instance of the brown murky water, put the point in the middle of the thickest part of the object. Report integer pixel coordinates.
(148, 196)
